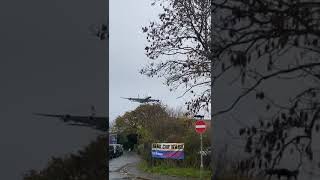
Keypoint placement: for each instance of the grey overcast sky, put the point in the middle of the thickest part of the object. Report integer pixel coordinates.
(51, 64)
(127, 57)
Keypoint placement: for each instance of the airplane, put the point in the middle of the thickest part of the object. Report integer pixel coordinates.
(99, 123)
(143, 100)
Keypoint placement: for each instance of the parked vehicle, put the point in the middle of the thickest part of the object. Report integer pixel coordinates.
(115, 150)
(119, 150)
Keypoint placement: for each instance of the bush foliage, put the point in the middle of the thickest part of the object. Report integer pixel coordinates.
(154, 123)
(87, 164)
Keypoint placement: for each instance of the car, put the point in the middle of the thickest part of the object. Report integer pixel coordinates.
(119, 150)
(115, 150)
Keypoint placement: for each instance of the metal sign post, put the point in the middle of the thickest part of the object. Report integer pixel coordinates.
(201, 157)
(201, 151)
(200, 129)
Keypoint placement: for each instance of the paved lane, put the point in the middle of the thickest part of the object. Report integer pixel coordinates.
(117, 165)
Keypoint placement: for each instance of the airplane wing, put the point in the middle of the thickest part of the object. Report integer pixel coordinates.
(49, 115)
(99, 123)
(64, 117)
(154, 100)
(87, 119)
(75, 124)
(81, 119)
(136, 99)
(99, 126)
(131, 99)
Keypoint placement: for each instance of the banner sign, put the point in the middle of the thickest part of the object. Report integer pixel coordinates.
(113, 139)
(168, 150)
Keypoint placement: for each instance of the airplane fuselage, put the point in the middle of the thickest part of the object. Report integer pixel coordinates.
(143, 100)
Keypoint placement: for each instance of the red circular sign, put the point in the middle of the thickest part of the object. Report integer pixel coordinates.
(200, 126)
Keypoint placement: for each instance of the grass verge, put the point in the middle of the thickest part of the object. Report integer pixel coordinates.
(174, 171)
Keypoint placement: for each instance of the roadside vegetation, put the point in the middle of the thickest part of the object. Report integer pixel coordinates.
(175, 171)
(157, 123)
(89, 163)
(154, 123)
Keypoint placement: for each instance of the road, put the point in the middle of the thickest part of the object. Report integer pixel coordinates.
(117, 166)
(126, 167)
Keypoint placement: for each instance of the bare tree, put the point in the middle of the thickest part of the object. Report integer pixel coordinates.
(262, 41)
(266, 40)
(182, 35)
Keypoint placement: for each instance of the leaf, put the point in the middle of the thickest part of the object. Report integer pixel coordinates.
(231, 33)
(260, 164)
(296, 41)
(309, 152)
(261, 123)
(272, 44)
(223, 68)
(144, 29)
(270, 63)
(260, 95)
(315, 42)
(278, 146)
(254, 130)
(268, 124)
(283, 116)
(243, 77)
(241, 131)
(268, 107)
(248, 147)
(266, 48)
(291, 111)
(268, 156)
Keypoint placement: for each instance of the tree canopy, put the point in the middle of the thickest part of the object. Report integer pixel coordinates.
(182, 36)
(267, 40)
